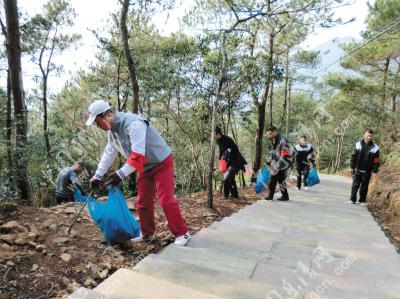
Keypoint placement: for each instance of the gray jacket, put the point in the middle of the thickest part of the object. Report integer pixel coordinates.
(131, 133)
(65, 178)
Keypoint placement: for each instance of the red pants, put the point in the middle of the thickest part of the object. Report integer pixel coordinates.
(161, 178)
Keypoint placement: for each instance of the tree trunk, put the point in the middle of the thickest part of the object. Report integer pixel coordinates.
(285, 103)
(336, 155)
(167, 121)
(191, 182)
(261, 108)
(132, 75)
(330, 165)
(20, 112)
(288, 107)
(259, 136)
(242, 179)
(119, 106)
(9, 130)
(214, 121)
(271, 95)
(45, 121)
(395, 88)
(339, 144)
(384, 83)
(129, 60)
(148, 108)
(195, 157)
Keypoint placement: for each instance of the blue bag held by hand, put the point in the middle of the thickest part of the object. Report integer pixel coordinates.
(262, 179)
(313, 178)
(79, 197)
(113, 217)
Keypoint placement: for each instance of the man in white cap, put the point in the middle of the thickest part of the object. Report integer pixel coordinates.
(146, 152)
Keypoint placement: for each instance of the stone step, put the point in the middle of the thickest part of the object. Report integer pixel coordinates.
(349, 281)
(273, 250)
(84, 293)
(240, 231)
(273, 208)
(253, 223)
(212, 259)
(127, 284)
(276, 252)
(203, 279)
(227, 244)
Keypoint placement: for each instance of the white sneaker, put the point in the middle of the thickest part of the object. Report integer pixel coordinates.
(306, 188)
(297, 188)
(362, 204)
(352, 202)
(182, 240)
(142, 239)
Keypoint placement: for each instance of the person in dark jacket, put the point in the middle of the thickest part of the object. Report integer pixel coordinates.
(364, 163)
(278, 161)
(67, 181)
(304, 156)
(229, 151)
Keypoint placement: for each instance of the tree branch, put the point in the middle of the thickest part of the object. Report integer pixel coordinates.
(3, 28)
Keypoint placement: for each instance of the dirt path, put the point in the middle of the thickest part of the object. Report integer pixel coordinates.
(49, 264)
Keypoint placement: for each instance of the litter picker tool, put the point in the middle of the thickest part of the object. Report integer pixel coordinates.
(79, 213)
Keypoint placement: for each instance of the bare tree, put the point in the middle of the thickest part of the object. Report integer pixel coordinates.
(44, 38)
(131, 67)
(20, 111)
(8, 124)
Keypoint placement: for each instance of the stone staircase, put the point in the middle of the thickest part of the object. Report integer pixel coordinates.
(316, 246)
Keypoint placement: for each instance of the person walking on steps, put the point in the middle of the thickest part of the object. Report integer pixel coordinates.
(67, 181)
(229, 151)
(364, 163)
(278, 161)
(304, 156)
(146, 152)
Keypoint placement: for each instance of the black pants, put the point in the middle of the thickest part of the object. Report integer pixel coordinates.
(302, 170)
(61, 199)
(280, 178)
(360, 181)
(230, 187)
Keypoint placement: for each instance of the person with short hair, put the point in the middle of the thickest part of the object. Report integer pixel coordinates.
(67, 182)
(147, 153)
(278, 161)
(304, 156)
(364, 163)
(229, 151)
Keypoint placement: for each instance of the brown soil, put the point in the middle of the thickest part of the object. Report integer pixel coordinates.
(384, 202)
(32, 271)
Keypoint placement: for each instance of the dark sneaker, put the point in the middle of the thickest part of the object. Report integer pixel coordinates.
(283, 198)
(268, 198)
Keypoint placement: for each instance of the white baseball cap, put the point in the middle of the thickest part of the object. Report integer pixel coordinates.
(96, 108)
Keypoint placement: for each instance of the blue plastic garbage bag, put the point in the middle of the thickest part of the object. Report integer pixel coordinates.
(79, 197)
(262, 179)
(313, 178)
(113, 216)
